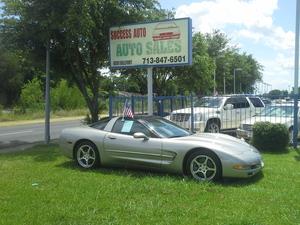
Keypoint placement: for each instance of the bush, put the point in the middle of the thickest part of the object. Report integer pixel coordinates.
(270, 137)
(32, 96)
(64, 97)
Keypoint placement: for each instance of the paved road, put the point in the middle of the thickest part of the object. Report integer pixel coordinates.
(27, 134)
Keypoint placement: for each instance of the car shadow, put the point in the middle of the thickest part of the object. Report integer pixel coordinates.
(143, 173)
(236, 182)
(297, 157)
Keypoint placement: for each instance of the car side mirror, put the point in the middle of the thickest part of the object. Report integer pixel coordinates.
(228, 107)
(140, 135)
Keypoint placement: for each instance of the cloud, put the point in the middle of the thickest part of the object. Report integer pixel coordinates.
(209, 15)
(250, 20)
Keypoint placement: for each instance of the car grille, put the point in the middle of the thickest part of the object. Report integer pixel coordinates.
(255, 166)
(247, 127)
(180, 117)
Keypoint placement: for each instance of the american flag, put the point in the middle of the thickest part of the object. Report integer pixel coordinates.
(127, 110)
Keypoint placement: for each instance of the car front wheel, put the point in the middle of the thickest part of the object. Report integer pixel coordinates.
(212, 127)
(204, 166)
(87, 155)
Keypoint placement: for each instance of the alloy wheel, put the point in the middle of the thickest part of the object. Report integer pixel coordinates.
(203, 168)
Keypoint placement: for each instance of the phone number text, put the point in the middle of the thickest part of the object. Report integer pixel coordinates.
(164, 59)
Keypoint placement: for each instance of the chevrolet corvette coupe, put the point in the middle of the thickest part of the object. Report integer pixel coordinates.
(151, 142)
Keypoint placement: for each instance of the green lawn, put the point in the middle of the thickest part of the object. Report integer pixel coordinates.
(41, 186)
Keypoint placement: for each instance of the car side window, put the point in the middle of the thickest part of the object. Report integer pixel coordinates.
(230, 101)
(242, 103)
(238, 103)
(129, 127)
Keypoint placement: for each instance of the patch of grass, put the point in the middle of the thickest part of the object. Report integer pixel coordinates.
(41, 186)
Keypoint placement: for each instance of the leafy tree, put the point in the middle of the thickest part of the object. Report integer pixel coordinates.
(77, 32)
(11, 78)
(32, 96)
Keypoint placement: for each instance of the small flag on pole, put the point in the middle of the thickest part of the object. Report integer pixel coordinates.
(127, 110)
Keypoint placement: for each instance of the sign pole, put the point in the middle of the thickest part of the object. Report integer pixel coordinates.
(296, 73)
(150, 90)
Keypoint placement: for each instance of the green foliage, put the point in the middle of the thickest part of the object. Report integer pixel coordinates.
(11, 78)
(32, 96)
(270, 137)
(65, 97)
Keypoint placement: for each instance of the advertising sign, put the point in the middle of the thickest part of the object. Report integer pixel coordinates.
(162, 43)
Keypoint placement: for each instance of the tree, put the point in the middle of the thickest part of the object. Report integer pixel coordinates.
(11, 78)
(77, 32)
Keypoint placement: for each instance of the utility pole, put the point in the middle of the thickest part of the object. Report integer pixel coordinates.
(47, 96)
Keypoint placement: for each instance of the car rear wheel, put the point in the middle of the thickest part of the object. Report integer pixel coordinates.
(87, 155)
(204, 166)
(212, 127)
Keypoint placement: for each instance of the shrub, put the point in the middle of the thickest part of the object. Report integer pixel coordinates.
(270, 137)
(32, 96)
(65, 97)
(1, 109)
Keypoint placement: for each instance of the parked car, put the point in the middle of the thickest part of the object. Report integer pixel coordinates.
(277, 113)
(152, 142)
(211, 114)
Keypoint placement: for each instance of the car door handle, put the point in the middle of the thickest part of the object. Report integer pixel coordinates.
(111, 137)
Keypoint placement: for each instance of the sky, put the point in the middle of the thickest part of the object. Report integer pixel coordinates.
(263, 28)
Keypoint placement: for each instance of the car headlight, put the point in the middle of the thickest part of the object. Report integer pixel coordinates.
(197, 117)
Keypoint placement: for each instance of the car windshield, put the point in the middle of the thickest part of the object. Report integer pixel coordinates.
(209, 102)
(164, 128)
(278, 111)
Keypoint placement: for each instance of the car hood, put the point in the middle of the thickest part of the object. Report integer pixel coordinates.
(222, 141)
(271, 119)
(196, 110)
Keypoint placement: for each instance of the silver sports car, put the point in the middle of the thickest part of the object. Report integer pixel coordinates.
(151, 142)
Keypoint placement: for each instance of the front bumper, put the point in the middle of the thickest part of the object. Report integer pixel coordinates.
(255, 168)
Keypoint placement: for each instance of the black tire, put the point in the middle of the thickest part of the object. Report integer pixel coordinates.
(87, 155)
(204, 165)
(212, 127)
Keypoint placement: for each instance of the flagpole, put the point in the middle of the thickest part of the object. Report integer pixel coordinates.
(125, 105)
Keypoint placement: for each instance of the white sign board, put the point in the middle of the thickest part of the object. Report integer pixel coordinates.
(162, 43)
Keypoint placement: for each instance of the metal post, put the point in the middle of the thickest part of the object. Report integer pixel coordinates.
(150, 89)
(224, 84)
(215, 76)
(47, 96)
(110, 106)
(295, 127)
(132, 104)
(192, 114)
(233, 81)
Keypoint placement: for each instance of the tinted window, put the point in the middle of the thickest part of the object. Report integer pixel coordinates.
(256, 102)
(101, 124)
(129, 127)
(211, 102)
(238, 103)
